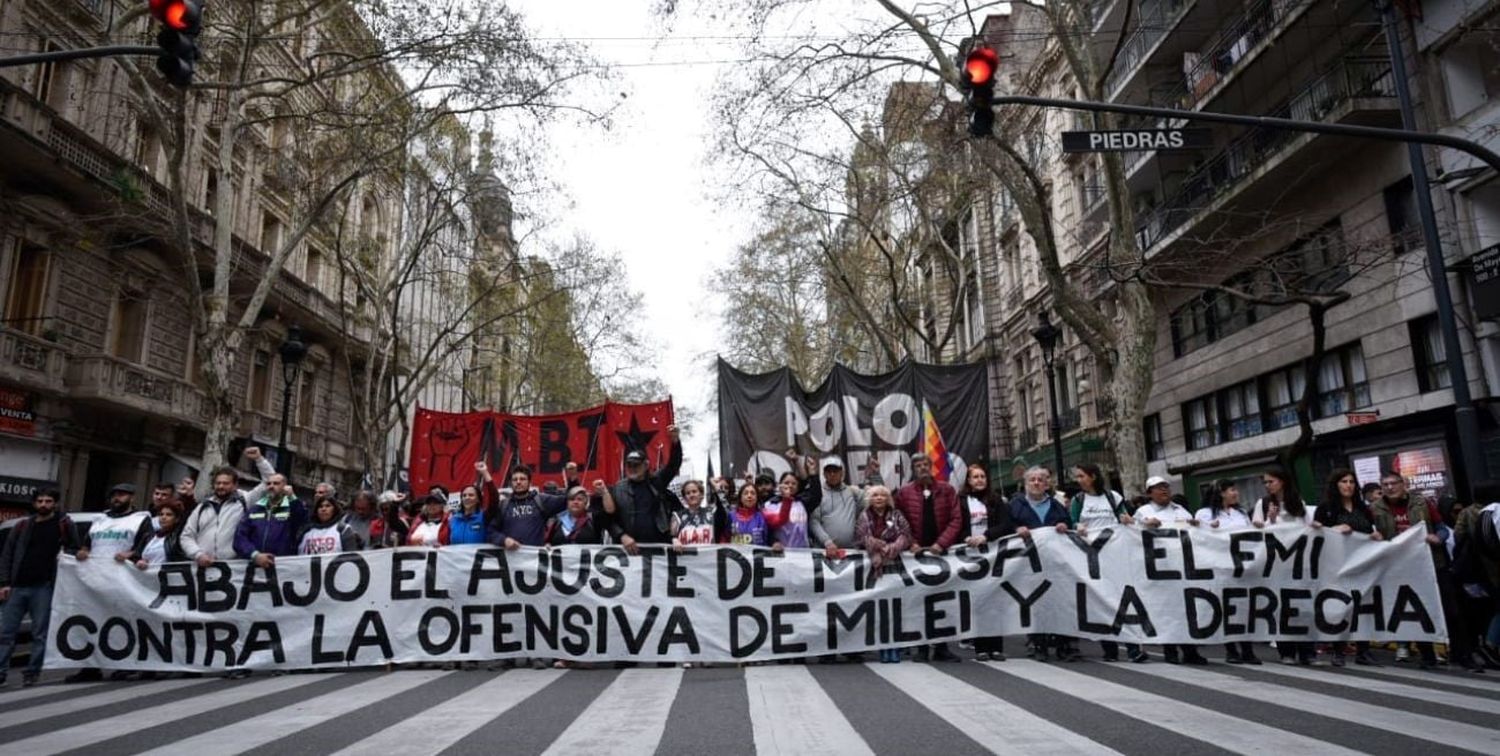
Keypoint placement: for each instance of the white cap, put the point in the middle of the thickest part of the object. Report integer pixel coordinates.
(832, 461)
(1156, 480)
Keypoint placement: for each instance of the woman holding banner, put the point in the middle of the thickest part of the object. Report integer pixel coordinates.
(467, 526)
(986, 517)
(698, 523)
(1223, 513)
(430, 527)
(580, 523)
(1280, 506)
(885, 534)
(747, 527)
(785, 514)
(164, 544)
(1343, 509)
(327, 533)
(1095, 507)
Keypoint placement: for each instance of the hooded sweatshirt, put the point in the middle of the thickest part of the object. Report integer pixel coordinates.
(837, 516)
(524, 518)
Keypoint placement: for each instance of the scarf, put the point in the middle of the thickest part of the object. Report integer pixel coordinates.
(783, 514)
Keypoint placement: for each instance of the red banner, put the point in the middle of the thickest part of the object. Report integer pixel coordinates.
(445, 445)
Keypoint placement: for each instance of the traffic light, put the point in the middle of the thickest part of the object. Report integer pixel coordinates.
(181, 20)
(979, 83)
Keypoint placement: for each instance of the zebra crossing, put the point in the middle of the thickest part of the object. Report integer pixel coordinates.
(1016, 706)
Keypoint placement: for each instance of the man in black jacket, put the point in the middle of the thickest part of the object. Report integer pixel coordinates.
(28, 568)
(643, 503)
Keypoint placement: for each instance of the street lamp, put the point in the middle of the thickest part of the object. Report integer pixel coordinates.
(1047, 335)
(292, 350)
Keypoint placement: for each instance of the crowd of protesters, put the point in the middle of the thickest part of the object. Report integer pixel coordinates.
(813, 506)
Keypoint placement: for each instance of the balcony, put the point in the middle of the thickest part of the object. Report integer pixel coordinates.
(111, 381)
(308, 443)
(1235, 42)
(30, 362)
(1352, 88)
(1070, 419)
(1151, 26)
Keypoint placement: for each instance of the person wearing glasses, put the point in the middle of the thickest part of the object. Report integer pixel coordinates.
(1394, 513)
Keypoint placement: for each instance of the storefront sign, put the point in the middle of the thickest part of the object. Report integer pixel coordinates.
(1425, 468)
(1361, 418)
(21, 490)
(1486, 272)
(16, 415)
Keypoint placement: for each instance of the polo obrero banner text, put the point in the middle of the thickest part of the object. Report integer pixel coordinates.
(938, 411)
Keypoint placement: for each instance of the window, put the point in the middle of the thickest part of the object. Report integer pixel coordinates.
(1155, 447)
(1283, 389)
(314, 274)
(210, 190)
(148, 151)
(1190, 327)
(1010, 259)
(270, 234)
(1401, 215)
(128, 326)
(1241, 410)
(1342, 385)
(260, 381)
(1471, 70)
(50, 85)
(1431, 354)
(1023, 396)
(307, 392)
(25, 302)
(1315, 262)
(1202, 419)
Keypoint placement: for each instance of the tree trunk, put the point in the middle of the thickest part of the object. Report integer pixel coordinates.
(1130, 383)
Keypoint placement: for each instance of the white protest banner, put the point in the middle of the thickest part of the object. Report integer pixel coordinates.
(723, 604)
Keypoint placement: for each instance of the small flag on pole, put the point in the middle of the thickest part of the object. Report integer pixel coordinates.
(933, 447)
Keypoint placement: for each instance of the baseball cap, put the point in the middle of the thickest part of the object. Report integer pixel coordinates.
(635, 458)
(1156, 480)
(831, 462)
(122, 488)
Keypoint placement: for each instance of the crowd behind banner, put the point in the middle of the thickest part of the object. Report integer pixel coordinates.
(812, 515)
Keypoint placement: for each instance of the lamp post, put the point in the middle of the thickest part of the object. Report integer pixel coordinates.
(1047, 335)
(292, 351)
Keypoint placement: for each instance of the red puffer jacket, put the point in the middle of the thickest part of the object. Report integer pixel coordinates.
(945, 504)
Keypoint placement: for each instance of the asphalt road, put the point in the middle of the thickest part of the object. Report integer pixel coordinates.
(1016, 706)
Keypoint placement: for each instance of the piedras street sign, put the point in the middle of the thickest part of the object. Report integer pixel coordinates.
(1137, 140)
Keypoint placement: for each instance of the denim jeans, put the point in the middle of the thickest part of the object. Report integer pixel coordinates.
(35, 600)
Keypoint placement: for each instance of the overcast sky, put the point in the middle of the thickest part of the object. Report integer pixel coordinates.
(641, 189)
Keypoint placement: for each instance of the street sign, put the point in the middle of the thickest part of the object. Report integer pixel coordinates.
(1486, 272)
(1137, 140)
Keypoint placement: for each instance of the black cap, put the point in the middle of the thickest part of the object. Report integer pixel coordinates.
(122, 488)
(764, 477)
(635, 458)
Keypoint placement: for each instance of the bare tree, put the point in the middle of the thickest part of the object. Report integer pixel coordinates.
(331, 93)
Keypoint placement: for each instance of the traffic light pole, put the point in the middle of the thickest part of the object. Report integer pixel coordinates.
(108, 51)
(1465, 417)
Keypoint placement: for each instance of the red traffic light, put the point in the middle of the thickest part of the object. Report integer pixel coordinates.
(177, 15)
(980, 66)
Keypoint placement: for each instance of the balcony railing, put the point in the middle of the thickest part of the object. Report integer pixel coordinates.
(1026, 439)
(31, 361)
(308, 443)
(1235, 41)
(1323, 96)
(1070, 419)
(115, 381)
(1153, 24)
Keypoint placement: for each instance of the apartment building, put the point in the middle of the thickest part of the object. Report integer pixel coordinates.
(99, 380)
(1261, 212)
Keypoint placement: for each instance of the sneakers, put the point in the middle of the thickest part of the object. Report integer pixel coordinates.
(1365, 659)
(28, 679)
(982, 656)
(1403, 654)
(1338, 660)
(942, 654)
(1250, 659)
(1139, 657)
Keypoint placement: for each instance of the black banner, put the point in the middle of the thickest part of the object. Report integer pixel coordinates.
(941, 411)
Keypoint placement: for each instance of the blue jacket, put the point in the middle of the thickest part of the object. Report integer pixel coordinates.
(466, 529)
(1023, 516)
(270, 527)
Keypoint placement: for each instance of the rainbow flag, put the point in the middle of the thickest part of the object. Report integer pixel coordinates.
(933, 446)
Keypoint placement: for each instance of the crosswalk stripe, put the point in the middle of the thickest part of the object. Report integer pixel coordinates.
(103, 698)
(147, 717)
(790, 713)
(628, 717)
(1210, 726)
(1447, 732)
(1477, 682)
(993, 722)
(287, 720)
(453, 721)
(1431, 695)
(47, 690)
